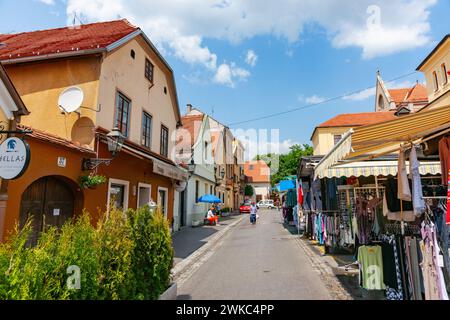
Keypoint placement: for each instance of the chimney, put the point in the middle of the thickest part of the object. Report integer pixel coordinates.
(189, 107)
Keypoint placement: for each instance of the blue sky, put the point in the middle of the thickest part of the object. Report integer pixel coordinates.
(305, 51)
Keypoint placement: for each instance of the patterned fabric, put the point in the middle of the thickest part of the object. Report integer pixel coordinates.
(391, 293)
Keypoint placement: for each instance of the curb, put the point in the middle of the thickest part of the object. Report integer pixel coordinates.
(326, 272)
(185, 268)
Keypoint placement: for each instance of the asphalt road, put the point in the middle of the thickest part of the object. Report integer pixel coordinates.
(261, 261)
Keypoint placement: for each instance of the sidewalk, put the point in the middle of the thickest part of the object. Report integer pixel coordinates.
(190, 239)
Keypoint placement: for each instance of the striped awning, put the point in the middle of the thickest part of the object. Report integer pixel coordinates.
(372, 141)
(376, 168)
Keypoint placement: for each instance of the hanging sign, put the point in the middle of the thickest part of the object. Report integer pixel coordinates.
(14, 158)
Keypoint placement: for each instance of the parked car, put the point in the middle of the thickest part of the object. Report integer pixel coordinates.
(245, 207)
(265, 204)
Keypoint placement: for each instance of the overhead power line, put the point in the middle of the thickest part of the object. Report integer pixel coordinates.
(277, 114)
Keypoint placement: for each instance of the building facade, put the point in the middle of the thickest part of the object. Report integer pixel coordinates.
(258, 176)
(126, 84)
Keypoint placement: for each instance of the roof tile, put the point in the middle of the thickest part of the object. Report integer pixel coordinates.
(68, 39)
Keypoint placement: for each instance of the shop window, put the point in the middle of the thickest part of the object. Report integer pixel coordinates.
(164, 150)
(118, 193)
(122, 113)
(149, 70)
(146, 129)
(163, 199)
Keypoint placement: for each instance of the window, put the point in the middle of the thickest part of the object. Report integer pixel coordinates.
(146, 129)
(164, 141)
(149, 70)
(133, 54)
(337, 138)
(206, 188)
(162, 199)
(165, 90)
(436, 83)
(122, 117)
(251, 167)
(210, 190)
(380, 102)
(118, 193)
(196, 191)
(444, 74)
(205, 154)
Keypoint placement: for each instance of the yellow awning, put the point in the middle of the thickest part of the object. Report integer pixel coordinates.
(369, 142)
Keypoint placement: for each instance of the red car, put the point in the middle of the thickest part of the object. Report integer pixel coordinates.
(245, 208)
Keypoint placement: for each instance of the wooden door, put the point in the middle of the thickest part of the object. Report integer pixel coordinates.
(50, 202)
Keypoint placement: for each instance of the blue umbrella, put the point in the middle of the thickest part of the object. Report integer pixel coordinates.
(209, 198)
(286, 185)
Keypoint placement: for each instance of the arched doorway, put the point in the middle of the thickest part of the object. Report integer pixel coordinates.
(50, 201)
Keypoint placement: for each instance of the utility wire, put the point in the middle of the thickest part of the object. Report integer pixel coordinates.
(318, 103)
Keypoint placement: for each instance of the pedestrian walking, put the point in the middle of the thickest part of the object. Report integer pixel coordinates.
(253, 213)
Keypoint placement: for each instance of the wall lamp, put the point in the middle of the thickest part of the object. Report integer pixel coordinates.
(115, 141)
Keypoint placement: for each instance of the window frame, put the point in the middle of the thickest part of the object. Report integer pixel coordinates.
(435, 81)
(145, 115)
(166, 200)
(149, 74)
(444, 72)
(334, 138)
(117, 123)
(197, 187)
(126, 191)
(164, 152)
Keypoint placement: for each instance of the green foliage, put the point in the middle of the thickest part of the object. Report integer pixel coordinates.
(150, 234)
(91, 181)
(284, 165)
(127, 256)
(225, 210)
(248, 191)
(115, 247)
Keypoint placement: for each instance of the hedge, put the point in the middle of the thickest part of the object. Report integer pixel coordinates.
(126, 256)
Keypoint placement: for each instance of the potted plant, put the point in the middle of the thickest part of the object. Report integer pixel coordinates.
(91, 181)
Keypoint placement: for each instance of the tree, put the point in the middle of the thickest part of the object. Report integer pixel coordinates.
(248, 191)
(284, 165)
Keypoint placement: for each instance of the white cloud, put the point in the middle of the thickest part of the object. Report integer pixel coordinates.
(251, 58)
(179, 27)
(227, 74)
(370, 92)
(315, 99)
(362, 95)
(49, 2)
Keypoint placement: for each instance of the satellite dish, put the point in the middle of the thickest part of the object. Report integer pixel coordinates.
(71, 99)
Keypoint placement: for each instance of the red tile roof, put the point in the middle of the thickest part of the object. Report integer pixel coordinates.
(358, 119)
(68, 39)
(53, 139)
(257, 171)
(418, 93)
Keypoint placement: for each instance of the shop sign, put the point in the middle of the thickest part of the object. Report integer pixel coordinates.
(14, 158)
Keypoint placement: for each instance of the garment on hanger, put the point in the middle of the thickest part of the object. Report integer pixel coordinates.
(403, 191)
(392, 277)
(408, 216)
(417, 195)
(371, 264)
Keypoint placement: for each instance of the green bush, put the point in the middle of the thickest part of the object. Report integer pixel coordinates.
(127, 256)
(150, 234)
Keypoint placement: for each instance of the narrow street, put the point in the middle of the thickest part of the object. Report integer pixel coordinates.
(262, 261)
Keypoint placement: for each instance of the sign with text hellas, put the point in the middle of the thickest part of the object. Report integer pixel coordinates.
(14, 158)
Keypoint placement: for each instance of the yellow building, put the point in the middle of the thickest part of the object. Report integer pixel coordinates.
(124, 83)
(436, 68)
(329, 133)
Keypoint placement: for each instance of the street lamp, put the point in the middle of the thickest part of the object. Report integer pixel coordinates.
(115, 141)
(191, 167)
